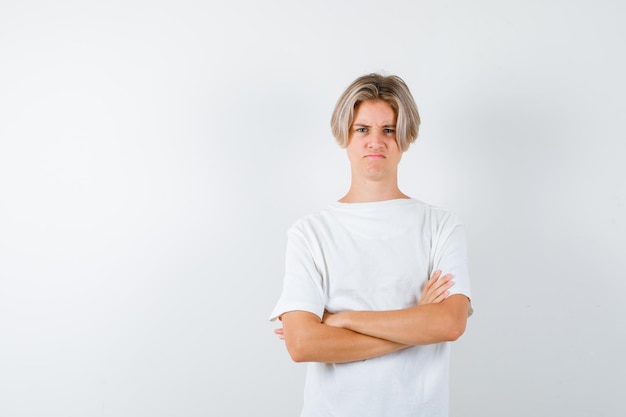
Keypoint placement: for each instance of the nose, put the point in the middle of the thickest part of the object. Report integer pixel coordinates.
(376, 139)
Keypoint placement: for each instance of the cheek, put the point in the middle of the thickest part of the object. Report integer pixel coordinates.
(393, 145)
(350, 153)
(399, 152)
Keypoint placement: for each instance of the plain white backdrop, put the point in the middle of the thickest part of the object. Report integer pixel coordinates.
(154, 153)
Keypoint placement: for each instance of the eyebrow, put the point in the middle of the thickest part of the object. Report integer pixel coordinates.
(364, 125)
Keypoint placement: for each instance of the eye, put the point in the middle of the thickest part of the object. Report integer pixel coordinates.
(361, 129)
(389, 130)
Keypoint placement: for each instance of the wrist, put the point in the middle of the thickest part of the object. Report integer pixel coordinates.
(335, 319)
(345, 319)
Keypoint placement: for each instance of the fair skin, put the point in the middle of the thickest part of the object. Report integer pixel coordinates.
(357, 335)
(328, 342)
(374, 154)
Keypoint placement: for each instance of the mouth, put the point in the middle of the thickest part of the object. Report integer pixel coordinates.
(375, 156)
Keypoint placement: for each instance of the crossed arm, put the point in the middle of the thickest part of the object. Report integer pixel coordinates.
(356, 335)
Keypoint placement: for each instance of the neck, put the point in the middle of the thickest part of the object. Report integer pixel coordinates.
(365, 191)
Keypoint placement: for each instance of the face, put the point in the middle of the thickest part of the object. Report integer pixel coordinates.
(372, 147)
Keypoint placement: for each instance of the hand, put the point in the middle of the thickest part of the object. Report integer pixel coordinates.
(436, 289)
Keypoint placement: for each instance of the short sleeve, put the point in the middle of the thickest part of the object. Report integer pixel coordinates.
(450, 254)
(302, 283)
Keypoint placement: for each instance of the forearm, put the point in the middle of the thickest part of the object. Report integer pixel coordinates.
(418, 325)
(317, 342)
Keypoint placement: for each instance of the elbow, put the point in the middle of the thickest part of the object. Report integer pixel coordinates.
(300, 336)
(298, 359)
(454, 330)
(297, 356)
(297, 349)
(454, 334)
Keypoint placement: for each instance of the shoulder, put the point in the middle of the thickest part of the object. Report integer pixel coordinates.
(440, 220)
(309, 224)
(442, 213)
(437, 214)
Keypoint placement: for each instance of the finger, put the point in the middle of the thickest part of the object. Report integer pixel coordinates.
(437, 278)
(442, 297)
(280, 333)
(442, 287)
(432, 281)
(445, 278)
(436, 287)
(435, 275)
(444, 292)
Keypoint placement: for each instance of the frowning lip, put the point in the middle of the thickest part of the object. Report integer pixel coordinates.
(375, 156)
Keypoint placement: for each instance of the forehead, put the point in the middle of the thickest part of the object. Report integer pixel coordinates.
(374, 112)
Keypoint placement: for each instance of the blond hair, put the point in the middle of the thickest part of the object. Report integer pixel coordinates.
(391, 89)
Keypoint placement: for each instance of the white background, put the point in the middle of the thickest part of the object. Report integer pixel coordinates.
(154, 153)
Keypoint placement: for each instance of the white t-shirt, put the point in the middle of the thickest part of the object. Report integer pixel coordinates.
(374, 256)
